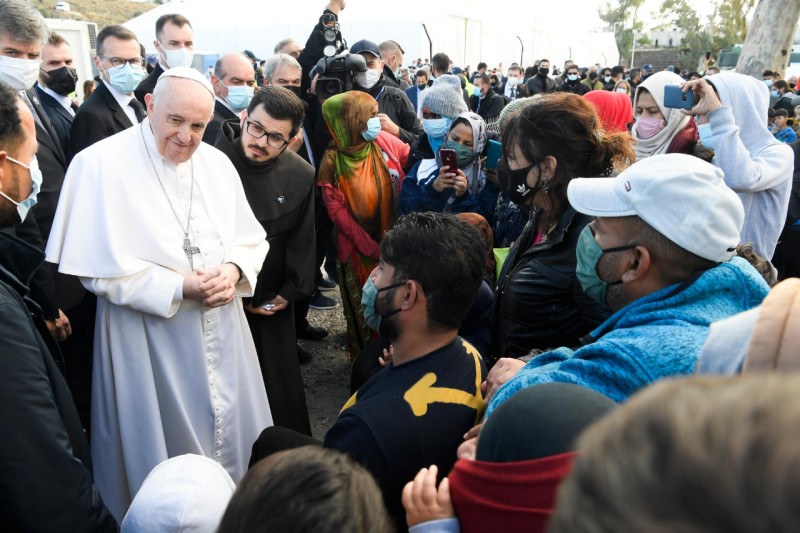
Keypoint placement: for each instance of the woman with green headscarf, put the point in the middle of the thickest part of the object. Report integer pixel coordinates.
(359, 175)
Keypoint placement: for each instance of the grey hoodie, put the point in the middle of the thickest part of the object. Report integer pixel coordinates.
(756, 165)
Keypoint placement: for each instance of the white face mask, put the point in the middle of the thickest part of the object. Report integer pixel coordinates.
(622, 90)
(513, 81)
(179, 57)
(18, 73)
(368, 79)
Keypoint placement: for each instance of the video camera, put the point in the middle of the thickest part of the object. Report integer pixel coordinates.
(336, 74)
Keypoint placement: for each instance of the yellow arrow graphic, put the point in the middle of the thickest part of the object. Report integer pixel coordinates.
(423, 393)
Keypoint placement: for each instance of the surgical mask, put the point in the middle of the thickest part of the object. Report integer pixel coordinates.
(464, 154)
(622, 90)
(649, 127)
(477, 92)
(36, 178)
(768, 83)
(513, 81)
(589, 253)
(179, 57)
(61, 80)
(19, 74)
(544, 71)
(572, 77)
(775, 94)
(515, 183)
(373, 129)
(607, 79)
(706, 135)
(368, 79)
(125, 78)
(369, 297)
(239, 96)
(435, 128)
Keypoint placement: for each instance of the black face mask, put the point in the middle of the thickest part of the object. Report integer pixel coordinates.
(62, 80)
(295, 89)
(515, 185)
(544, 71)
(422, 86)
(593, 75)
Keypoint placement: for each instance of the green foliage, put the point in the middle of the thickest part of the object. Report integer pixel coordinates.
(103, 12)
(621, 18)
(729, 24)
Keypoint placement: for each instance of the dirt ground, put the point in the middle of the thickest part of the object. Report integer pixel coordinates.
(327, 376)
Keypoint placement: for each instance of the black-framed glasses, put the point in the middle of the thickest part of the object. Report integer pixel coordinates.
(135, 62)
(275, 140)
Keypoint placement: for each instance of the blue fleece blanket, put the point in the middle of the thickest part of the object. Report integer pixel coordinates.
(655, 337)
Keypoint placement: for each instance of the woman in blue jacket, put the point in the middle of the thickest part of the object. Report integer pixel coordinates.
(431, 187)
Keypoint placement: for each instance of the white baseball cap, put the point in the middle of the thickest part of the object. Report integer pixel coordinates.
(680, 196)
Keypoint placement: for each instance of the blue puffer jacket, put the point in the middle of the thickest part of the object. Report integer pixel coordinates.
(418, 194)
(655, 337)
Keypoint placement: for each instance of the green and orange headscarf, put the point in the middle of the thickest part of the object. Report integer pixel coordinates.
(356, 167)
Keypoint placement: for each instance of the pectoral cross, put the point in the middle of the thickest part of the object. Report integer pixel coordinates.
(190, 250)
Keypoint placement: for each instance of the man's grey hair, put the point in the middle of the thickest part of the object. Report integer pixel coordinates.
(279, 59)
(22, 23)
(281, 44)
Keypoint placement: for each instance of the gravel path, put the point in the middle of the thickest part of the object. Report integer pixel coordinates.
(327, 376)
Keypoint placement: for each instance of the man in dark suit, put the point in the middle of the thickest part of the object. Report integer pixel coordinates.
(111, 108)
(414, 92)
(175, 45)
(57, 80)
(234, 83)
(513, 87)
(487, 103)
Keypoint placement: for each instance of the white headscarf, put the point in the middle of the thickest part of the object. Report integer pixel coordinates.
(475, 178)
(676, 121)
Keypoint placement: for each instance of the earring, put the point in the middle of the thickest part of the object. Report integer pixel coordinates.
(546, 187)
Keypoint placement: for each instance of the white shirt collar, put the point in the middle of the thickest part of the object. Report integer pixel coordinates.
(223, 102)
(122, 99)
(65, 102)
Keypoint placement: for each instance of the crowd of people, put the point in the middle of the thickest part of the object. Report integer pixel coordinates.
(531, 270)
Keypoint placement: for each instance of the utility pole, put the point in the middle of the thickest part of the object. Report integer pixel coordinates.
(769, 39)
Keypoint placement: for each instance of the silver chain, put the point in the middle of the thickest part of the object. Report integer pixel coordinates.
(191, 191)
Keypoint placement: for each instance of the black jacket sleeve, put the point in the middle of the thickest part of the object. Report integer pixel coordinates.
(44, 486)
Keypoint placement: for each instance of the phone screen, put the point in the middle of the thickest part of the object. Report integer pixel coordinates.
(493, 154)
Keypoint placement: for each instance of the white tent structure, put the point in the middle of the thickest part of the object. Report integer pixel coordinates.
(466, 30)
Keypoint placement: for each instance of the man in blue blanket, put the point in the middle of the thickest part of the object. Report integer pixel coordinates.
(662, 255)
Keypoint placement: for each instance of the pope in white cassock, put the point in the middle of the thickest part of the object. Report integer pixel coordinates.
(156, 224)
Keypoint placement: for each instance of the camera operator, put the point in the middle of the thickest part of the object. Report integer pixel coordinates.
(395, 110)
(326, 33)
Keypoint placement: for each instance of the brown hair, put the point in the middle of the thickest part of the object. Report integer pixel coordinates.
(306, 490)
(56, 39)
(173, 18)
(690, 455)
(118, 32)
(566, 127)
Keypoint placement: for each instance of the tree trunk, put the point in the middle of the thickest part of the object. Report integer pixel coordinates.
(769, 40)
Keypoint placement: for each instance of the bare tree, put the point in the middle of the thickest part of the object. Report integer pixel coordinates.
(769, 41)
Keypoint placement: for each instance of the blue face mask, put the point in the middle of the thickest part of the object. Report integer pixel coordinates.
(125, 78)
(239, 96)
(706, 136)
(775, 94)
(477, 92)
(768, 83)
(589, 253)
(435, 128)
(373, 129)
(369, 296)
(36, 178)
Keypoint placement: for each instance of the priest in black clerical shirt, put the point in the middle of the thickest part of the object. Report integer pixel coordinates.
(279, 186)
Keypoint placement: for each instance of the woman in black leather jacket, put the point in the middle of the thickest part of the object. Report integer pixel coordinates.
(539, 303)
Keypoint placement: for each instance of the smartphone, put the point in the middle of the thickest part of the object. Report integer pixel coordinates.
(449, 159)
(493, 154)
(676, 99)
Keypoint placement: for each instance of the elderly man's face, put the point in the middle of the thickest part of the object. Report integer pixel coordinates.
(178, 118)
(285, 76)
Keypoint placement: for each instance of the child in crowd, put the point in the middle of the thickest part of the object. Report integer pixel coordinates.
(783, 129)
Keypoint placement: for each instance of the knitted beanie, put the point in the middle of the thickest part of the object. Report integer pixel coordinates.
(444, 97)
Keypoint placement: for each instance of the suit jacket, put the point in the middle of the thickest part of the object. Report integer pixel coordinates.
(411, 92)
(522, 90)
(98, 118)
(60, 118)
(221, 114)
(490, 107)
(148, 84)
